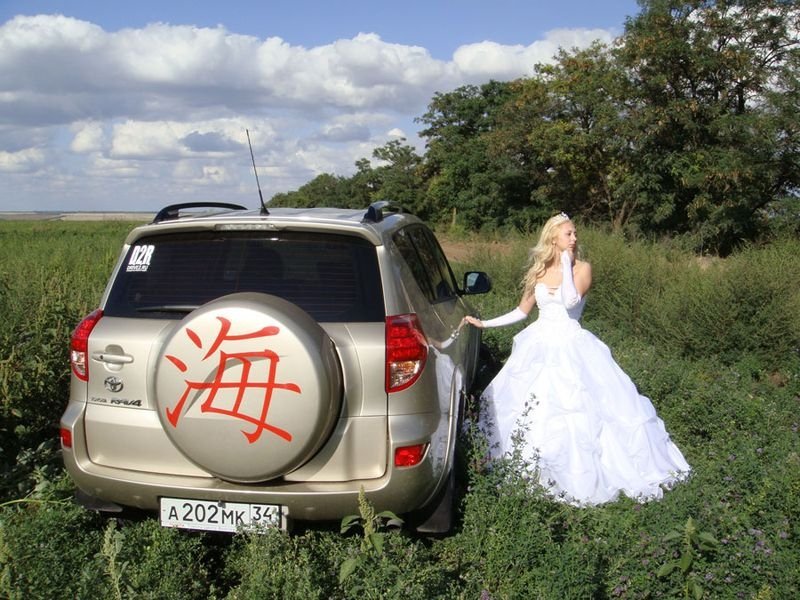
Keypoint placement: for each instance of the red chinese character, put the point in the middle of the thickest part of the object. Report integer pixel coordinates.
(218, 386)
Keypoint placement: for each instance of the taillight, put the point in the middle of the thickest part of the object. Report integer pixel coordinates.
(66, 438)
(78, 346)
(406, 351)
(408, 456)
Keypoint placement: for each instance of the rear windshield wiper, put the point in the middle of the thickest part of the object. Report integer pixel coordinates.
(170, 308)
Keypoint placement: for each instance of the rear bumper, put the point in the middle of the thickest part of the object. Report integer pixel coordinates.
(404, 491)
(400, 490)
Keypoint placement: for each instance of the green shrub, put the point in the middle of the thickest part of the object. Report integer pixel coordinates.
(53, 275)
(34, 375)
(278, 565)
(50, 550)
(55, 549)
(745, 305)
(144, 560)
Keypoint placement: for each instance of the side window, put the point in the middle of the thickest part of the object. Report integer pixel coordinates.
(427, 262)
(406, 246)
(446, 282)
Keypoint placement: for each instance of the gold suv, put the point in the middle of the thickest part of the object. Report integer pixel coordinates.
(251, 368)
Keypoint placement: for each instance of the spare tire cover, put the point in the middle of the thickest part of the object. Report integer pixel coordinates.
(248, 387)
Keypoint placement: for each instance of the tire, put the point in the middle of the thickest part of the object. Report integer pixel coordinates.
(248, 387)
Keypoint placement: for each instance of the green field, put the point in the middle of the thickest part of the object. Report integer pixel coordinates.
(714, 343)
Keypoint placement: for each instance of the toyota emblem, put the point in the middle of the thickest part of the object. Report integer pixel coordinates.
(113, 384)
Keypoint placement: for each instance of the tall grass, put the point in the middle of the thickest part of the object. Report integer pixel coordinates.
(51, 275)
(713, 343)
(745, 305)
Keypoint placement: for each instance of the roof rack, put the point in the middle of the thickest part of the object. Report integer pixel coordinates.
(171, 212)
(376, 210)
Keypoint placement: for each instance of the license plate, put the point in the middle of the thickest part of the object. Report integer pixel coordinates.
(209, 515)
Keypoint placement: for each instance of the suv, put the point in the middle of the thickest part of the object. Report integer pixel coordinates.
(255, 367)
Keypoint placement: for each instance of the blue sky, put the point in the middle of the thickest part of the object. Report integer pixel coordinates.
(129, 106)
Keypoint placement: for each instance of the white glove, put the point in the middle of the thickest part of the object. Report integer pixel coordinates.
(569, 294)
(514, 316)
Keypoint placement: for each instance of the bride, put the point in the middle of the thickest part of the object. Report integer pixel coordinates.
(584, 426)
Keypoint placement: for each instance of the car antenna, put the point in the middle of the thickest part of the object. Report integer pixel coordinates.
(264, 210)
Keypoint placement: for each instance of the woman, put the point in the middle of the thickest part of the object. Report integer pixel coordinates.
(574, 413)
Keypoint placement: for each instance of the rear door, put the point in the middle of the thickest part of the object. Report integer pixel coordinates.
(163, 278)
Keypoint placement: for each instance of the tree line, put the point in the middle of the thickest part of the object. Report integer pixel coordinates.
(686, 126)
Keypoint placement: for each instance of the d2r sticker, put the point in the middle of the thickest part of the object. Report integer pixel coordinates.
(140, 258)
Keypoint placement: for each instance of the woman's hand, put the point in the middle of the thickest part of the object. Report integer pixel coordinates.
(473, 321)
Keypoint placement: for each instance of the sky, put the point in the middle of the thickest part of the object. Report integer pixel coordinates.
(108, 106)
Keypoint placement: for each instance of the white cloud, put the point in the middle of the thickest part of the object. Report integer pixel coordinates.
(201, 174)
(88, 137)
(169, 104)
(169, 140)
(490, 60)
(140, 139)
(22, 161)
(102, 167)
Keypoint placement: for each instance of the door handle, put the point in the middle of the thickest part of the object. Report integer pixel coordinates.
(114, 359)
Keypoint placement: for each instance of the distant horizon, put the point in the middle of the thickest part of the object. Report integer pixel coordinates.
(73, 215)
(67, 211)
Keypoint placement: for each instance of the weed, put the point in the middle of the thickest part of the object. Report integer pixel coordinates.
(112, 544)
(693, 543)
(372, 525)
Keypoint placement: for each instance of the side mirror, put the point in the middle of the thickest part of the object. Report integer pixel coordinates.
(476, 282)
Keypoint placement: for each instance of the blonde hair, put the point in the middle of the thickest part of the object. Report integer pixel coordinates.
(544, 252)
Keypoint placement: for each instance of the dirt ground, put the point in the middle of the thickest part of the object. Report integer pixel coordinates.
(455, 251)
(460, 251)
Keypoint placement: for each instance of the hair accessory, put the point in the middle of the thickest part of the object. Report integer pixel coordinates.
(564, 215)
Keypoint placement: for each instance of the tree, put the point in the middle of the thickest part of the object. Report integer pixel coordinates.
(463, 179)
(324, 190)
(565, 127)
(398, 178)
(713, 146)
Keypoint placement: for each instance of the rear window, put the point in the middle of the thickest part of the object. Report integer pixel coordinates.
(334, 278)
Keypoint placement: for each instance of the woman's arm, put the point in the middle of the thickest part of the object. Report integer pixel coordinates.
(520, 313)
(583, 277)
(575, 280)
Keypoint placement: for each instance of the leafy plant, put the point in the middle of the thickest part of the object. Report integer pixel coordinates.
(372, 525)
(112, 545)
(693, 543)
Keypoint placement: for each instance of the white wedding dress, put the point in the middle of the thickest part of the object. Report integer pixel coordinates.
(578, 418)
